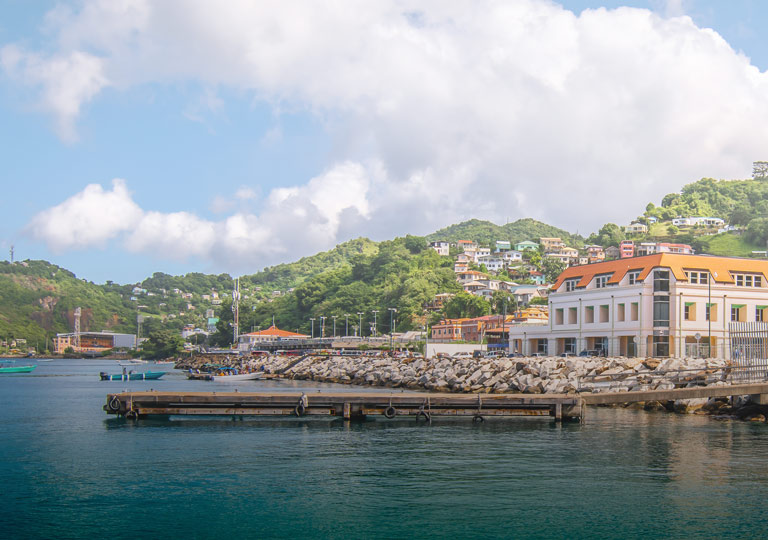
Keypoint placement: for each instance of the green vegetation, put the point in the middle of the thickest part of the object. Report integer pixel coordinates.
(487, 233)
(162, 344)
(727, 245)
(403, 274)
(38, 300)
(286, 276)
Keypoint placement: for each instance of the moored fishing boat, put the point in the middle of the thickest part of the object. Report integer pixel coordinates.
(17, 369)
(132, 376)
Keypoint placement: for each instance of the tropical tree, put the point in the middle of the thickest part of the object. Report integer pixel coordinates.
(163, 344)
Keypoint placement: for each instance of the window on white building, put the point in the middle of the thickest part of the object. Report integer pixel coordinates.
(601, 281)
(697, 278)
(570, 284)
(747, 280)
(632, 276)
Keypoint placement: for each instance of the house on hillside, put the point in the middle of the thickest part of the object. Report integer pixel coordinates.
(526, 245)
(552, 245)
(627, 249)
(636, 228)
(466, 245)
(612, 252)
(443, 248)
(698, 222)
(469, 275)
(503, 245)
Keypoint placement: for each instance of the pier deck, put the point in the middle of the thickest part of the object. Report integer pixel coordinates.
(726, 390)
(348, 405)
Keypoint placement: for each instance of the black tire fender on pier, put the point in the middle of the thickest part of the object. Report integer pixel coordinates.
(114, 404)
(390, 412)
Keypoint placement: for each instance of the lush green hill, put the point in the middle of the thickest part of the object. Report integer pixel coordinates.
(285, 276)
(403, 274)
(487, 233)
(38, 299)
(735, 201)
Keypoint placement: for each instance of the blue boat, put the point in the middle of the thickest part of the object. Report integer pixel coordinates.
(132, 376)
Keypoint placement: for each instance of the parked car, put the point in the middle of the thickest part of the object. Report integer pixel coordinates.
(592, 352)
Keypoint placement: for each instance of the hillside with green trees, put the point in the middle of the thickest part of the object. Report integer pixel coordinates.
(289, 275)
(403, 274)
(487, 233)
(38, 300)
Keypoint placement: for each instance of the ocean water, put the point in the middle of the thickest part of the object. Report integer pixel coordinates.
(68, 470)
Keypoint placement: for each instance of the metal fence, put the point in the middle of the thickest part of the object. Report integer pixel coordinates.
(697, 350)
(749, 351)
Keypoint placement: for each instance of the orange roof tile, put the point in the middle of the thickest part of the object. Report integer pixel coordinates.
(720, 268)
(274, 331)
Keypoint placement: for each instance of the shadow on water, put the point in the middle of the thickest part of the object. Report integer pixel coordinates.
(227, 422)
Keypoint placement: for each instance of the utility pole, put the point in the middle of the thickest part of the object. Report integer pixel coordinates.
(322, 327)
(334, 324)
(313, 326)
(11, 253)
(346, 324)
(375, 329)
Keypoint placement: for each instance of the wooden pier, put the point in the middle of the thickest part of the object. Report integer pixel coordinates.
(347, 405)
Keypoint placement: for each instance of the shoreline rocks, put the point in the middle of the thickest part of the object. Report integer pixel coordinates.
(530, 375)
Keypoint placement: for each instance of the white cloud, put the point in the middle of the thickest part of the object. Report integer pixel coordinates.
(294, 220)
(440, 110)
(92, 217)
(65, 82)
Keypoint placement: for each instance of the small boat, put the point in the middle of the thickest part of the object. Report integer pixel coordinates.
(132, 376)
(17, 369)
(224, 375)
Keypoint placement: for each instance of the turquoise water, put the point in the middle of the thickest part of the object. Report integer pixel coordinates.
(70, 471)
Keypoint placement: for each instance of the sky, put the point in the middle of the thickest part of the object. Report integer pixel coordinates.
(187, 136)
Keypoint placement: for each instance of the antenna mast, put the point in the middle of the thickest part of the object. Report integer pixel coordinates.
(76, 341)
(11, 253)
(236, 311)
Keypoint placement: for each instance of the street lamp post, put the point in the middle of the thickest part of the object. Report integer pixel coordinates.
(346, 325)
(504, 336)
(375, 311)
(313, 326)
(322, 327)
(334, 324)
(360, 322)
(391, 328)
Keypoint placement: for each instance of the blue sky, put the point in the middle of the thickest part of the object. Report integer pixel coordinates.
(163, 136)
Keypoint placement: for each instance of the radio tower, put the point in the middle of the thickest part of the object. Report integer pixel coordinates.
(11, 254)
(236, 311)
(76, 340)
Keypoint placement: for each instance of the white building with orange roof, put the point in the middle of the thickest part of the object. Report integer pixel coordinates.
(252, 339)
(657, 305)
